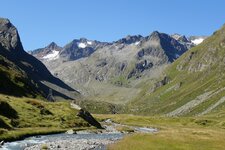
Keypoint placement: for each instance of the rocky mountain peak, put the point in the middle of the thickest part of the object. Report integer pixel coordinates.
(49, 52)
(163, 46)
(53, 45)
(155, 35)
(79, 48)
(5, 22)
(176, 36)
(9, 36)
(130, 39)
(83, 39)
(81, 43)
(180, 38)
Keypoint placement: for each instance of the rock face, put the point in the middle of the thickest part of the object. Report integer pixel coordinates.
(9, 36)
(80, 48)
(21, 74)
(89, 118)
(94, 67)
(130, 39)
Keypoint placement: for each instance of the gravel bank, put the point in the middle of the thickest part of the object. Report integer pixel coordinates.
(81, 144)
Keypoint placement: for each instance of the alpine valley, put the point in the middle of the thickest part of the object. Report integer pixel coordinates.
(156, 92)
(115, 74)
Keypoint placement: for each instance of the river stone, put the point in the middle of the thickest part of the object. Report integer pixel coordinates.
(70, 132)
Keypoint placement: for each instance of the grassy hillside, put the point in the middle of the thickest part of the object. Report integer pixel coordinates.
(14, 79)
(25, 116)
(196, 83)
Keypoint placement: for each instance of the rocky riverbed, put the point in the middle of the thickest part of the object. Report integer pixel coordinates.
(81, 144)
(95, 143)
(80, 140)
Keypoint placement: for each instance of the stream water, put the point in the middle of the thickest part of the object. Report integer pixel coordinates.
(99, 139)
(83, 140)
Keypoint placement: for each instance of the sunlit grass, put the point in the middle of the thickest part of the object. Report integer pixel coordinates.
(180, 133)
(34, 117)
(174, 139)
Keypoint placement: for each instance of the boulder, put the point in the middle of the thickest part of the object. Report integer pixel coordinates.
(89, 118)
(70, 132)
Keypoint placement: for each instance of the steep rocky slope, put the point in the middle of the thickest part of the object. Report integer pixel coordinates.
(194, 85)
(22, 74)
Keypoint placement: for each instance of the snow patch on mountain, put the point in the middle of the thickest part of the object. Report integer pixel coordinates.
(89, 42)
(197, 41)
(137, 43)
(52, 56)
(82, 45)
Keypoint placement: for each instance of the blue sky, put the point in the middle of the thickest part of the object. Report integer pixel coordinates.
(42, 21)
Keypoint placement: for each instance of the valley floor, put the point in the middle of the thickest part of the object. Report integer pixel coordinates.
(22, 117)
(187, 133)
(174, 139)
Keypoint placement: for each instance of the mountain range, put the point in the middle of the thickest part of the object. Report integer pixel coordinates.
(159, 74)
(107, 71)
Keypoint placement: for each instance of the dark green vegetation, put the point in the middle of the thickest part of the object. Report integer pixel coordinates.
(24, 116)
